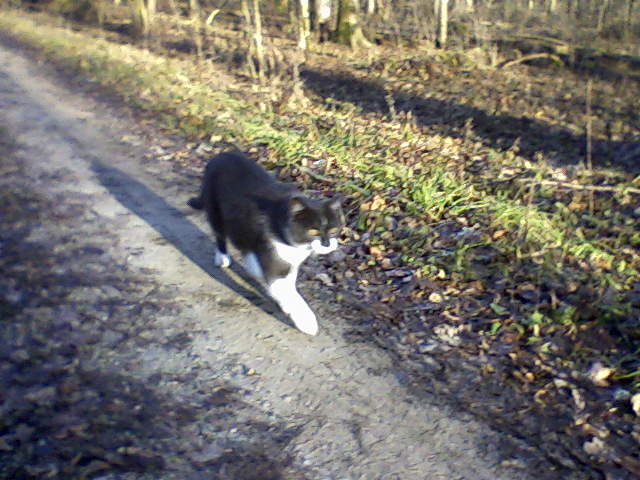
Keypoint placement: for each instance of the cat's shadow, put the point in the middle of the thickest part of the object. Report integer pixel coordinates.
(184, 235)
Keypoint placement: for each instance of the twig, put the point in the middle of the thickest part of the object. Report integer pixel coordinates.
(315, 175)
(533, 56)
(590, 142)
(588, 188)
(539, 38)
(325, 179)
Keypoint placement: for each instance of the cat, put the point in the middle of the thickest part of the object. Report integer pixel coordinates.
(273, 225)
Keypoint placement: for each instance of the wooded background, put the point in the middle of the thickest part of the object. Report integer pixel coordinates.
(362, 24)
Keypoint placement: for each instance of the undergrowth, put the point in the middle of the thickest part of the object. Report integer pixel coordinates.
(549, 262)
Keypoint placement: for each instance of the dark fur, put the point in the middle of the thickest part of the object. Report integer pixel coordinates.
(246, 205)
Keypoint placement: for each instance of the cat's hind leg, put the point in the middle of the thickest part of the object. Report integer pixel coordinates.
(283, 290)
(252, 266)
(222, 260)
(221, 257)
(279, 279)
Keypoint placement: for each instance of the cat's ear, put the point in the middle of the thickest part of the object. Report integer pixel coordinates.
(335, 203)
(298, 204)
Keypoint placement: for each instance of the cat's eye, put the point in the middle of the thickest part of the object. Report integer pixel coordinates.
(334, 231)
(313, 232)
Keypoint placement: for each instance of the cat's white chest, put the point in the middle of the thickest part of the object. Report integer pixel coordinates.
(293, 255)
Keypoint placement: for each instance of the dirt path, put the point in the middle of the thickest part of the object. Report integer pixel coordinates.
(203, 381)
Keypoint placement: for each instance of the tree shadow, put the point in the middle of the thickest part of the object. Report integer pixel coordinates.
(498, 131)
(587, 62)
(75, 423)
(69, 408)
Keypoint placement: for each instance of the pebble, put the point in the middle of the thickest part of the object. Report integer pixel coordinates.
(19, 356)
(428, 347)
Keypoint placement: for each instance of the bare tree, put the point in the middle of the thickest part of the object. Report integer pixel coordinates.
(602, 13)
(319, 16)
(349, 29)
(253, 34)
(551, 6)
(141, 17)
(628, 17)
(143, 13)
(443, 21)
(195, 12)
(304, 23)
(371, 7)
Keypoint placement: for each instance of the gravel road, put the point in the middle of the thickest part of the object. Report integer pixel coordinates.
(113, 276)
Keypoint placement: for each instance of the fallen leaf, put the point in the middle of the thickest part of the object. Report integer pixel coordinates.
(635, 403)
(325, 279)
(599, 374)
(435, 298)
(595, 447)
(498, 234)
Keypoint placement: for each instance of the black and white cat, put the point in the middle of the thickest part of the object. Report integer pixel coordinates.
(273, 225)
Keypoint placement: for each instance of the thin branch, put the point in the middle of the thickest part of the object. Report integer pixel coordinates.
(588, 188)
(533, 56)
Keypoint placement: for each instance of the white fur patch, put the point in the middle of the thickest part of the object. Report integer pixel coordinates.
(283, 291)
(221, 260)
(320, 249)
(293, 255)
(252, 266)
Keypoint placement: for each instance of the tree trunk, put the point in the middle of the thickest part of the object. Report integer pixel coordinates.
(552, 6)
(602, 13)
(319, 17)
(248, 29)
(627, 20)
(349, 31)
(253, 36)
(371, 7)
(304, 24)
(195, 13)
(443, 21)
(314, 21)
(257, 20)
(151, 14)
(139, 13)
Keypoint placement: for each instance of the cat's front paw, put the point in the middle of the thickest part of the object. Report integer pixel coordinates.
(305, 321)
(319, 249)
(221, 260)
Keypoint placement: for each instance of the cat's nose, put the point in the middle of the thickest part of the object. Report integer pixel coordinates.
(325, 242)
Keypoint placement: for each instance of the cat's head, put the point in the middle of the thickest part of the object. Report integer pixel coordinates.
(316, 223)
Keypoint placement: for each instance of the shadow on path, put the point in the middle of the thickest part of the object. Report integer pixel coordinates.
(69, 408)
(186, 237)
(498, 131)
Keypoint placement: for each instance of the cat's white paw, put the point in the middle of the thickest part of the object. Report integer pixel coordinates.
(252, 266)
(302, 316)
(283, 291)
(305, 321)
(221, 260)
(319, 249)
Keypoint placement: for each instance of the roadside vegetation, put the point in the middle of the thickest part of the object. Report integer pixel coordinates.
(493, 186)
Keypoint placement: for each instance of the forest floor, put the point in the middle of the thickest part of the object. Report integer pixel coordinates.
(498, 271)
(126, 355)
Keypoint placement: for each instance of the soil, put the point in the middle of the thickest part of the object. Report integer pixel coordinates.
(126, 354)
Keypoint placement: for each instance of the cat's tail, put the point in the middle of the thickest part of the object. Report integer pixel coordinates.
(196, 202)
